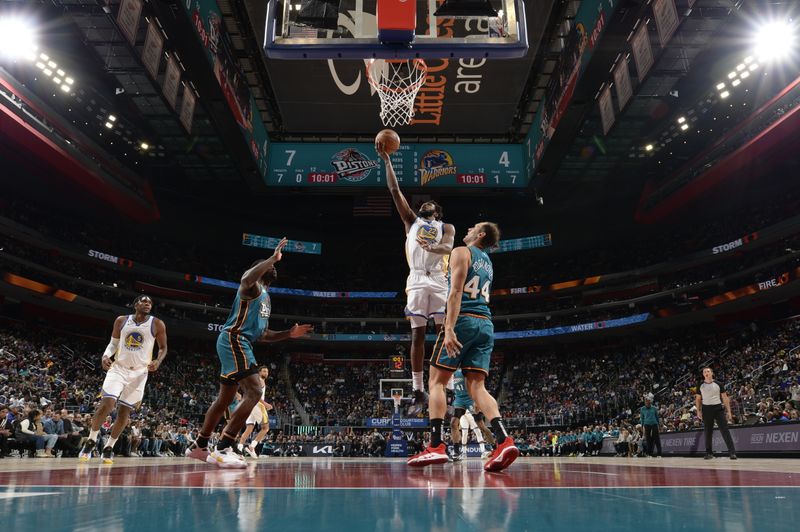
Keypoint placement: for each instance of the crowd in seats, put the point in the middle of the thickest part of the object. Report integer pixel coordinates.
(609, 384)
(49, 387)
(54, 382)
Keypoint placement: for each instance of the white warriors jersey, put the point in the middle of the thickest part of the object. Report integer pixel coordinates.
(421, 261)
(136, 343)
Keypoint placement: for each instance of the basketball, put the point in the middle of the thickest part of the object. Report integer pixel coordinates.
(388, 139)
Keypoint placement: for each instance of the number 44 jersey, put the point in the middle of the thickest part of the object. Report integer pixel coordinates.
(478, 284)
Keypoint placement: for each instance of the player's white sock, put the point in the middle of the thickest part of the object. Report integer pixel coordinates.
(478, 436)
(464, 437)
(111, 441)
(416, 378)
(451, 384)
(93, 434)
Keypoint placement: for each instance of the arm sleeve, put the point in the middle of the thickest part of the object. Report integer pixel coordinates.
(111, 348)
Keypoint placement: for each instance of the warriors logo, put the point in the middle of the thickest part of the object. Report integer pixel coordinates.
(134, 341)
(352, 165)
(428, 233)
(435, 164)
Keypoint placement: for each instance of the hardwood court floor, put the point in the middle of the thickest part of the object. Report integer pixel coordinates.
(562, 494)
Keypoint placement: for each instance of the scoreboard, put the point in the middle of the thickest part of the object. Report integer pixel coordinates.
(334, 165)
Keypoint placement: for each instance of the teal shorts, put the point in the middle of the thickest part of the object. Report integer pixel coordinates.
(463, 402)
(476, 335)
(236, 357)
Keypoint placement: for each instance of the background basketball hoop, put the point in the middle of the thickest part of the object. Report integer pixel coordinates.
(397, 82)
(397, 397)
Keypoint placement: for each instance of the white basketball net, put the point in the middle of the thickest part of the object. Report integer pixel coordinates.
(397, 83)
(397, 399)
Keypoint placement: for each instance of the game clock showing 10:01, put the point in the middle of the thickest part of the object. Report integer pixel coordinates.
(416, 165)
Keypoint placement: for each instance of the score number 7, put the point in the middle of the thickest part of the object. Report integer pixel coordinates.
(289, 158)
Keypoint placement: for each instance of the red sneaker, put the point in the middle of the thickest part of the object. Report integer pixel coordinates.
(502, 456)
(431, 455)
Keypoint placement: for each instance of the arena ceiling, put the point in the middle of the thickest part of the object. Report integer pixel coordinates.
(580, 165)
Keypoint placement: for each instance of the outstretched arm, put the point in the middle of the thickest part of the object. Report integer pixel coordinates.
(445, 245)
(400, 203)
(161, 338)
(297, 331)
(251, 276)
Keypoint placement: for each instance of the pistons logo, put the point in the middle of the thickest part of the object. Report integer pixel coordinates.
(134, 341)
(352, 165)
(265, 310)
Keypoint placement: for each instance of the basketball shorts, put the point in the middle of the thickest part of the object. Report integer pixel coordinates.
(258, 415)
(236, 358)
(467, 422)
(476, 335)
(463, 400)
(426, 299)
(125, 385)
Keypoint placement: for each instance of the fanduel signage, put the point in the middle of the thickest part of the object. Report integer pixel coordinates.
(385, 422)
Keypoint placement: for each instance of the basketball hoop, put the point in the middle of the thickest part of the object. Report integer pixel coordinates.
(397, 397)
(397, 82)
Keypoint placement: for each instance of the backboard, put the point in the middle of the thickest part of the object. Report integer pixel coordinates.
(349, 29)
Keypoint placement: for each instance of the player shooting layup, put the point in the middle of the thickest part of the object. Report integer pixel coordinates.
(428, 244)
(467, 344)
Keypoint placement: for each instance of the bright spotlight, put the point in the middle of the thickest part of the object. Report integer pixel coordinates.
(684, 127)
(144, 146)
(745, 74)
(736, 82)
(65, 88)
(112, 118)
(720, 86)
(774, 40)
(724, 94)
(649, 147)
(17, 38)
(109, 125)
(731, 75)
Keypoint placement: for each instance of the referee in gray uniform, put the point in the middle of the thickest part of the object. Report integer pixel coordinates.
(709, 400)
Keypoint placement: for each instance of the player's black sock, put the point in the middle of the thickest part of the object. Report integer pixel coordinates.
(202, 442)
(499, 430)
(224, 443)
(436, 432)
(456, 448)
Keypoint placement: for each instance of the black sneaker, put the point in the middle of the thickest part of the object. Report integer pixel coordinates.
(733, 456)
(108, 456)
(419, 399)
(708, 456)
(86, 450)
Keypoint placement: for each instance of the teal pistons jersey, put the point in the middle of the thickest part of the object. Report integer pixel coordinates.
(478, 284)
(249, 317)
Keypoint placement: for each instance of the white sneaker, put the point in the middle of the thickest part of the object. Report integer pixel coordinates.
(226, 459)
(251, 451)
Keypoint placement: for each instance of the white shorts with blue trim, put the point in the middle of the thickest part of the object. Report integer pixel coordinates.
(427, 297)
(125, 385)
